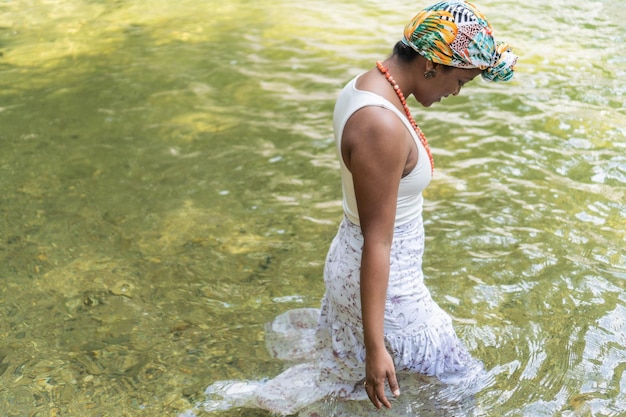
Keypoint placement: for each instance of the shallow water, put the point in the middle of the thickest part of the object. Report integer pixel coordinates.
(169, 185)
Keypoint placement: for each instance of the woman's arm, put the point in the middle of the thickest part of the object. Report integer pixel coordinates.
(375, 149)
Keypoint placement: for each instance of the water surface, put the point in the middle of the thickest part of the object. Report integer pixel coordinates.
(170, 184)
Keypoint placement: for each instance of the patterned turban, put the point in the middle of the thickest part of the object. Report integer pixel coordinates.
(457, 34)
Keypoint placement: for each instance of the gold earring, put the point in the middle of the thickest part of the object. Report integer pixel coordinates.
(430, 73)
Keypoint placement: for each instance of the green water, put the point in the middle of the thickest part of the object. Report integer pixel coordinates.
(169, 185)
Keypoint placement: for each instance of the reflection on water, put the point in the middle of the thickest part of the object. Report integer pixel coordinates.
(169, 185)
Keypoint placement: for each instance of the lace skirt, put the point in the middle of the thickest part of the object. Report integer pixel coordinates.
(325, 352)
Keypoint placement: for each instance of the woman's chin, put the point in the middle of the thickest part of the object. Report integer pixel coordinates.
(428, 101)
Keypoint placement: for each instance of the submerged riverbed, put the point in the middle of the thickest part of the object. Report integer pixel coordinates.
(169, 184)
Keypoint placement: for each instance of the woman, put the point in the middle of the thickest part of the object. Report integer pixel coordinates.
(386, 163)
(378, 323)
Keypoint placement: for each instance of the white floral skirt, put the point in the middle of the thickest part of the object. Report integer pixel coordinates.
(325, 354)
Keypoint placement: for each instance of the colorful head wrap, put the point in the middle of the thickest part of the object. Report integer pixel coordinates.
(457, 34)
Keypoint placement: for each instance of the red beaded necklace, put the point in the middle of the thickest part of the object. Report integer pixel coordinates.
(407, 111)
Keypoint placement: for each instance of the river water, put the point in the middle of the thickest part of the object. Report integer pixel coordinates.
(169, 184)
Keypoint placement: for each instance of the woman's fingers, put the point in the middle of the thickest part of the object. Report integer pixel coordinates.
(371, 394)
(393, 384)
(380, 394)
(376, 392)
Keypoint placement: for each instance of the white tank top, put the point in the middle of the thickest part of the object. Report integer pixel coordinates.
(410, 198)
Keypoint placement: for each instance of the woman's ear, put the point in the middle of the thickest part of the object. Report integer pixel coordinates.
(430, 65)
(430, 69)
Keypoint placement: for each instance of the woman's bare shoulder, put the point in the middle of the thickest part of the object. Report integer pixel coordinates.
(377, 128)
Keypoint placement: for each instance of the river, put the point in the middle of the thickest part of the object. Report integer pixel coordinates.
(169, 185)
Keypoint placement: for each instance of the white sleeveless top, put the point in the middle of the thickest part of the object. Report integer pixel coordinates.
(410, 198)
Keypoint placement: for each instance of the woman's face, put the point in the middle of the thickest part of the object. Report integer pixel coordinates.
(445, 82)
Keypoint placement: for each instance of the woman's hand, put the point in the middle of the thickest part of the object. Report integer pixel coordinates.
(375, 147)
(379, 369)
